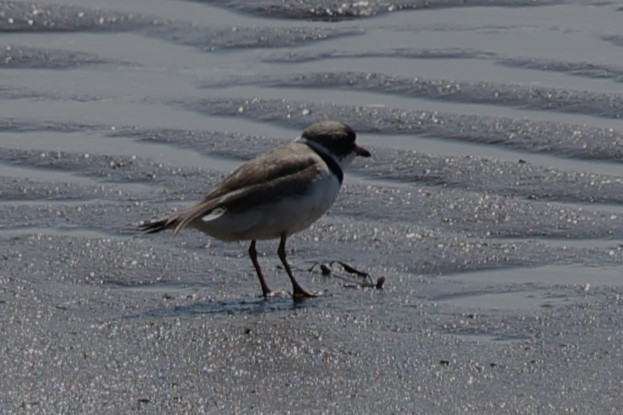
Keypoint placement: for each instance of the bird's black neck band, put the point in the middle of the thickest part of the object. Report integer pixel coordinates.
(334, 166)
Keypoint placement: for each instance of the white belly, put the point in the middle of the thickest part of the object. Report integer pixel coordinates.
(270, 221)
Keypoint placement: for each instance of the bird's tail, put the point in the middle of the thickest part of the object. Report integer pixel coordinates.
(153, 226)
(177, 221)
(158, 225)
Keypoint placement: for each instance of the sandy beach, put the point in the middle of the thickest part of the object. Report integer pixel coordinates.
(491, 206)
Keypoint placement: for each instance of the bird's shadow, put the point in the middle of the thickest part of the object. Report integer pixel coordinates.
(227, 307)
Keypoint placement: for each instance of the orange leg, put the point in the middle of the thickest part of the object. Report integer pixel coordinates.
(298, 293)
(253, 254)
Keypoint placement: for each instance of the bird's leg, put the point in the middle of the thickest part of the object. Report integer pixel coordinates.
(253, 254)
(298, 292)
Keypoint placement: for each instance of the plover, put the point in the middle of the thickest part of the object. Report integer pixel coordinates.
(274, 195)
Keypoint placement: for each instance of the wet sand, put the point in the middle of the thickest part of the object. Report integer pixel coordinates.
(492, 206)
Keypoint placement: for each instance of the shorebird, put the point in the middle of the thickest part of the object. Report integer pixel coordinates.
(274, 195)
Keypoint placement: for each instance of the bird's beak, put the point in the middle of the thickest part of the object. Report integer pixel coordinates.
(360, 151)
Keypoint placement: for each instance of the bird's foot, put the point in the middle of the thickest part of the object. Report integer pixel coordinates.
(274, 294)
(300, 295)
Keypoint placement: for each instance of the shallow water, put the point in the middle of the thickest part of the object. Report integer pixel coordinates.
(141, 73)
(495, 186)
(523, 83)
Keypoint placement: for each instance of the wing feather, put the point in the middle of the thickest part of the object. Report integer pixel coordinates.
(285, 171)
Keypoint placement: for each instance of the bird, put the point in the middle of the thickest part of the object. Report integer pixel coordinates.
(274, 195)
